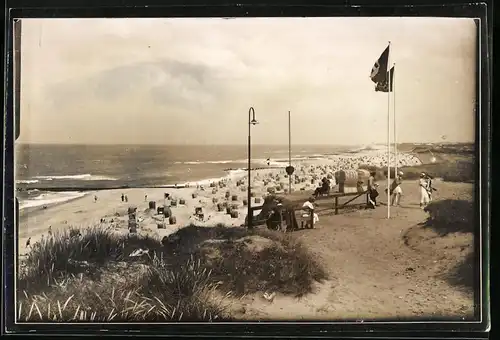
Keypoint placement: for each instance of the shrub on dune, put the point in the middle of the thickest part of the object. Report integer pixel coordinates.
(448, 216)
(246, 262)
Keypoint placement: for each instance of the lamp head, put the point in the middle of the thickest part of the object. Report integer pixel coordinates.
(253, 121)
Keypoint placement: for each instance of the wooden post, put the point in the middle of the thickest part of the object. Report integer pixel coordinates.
(336, 205)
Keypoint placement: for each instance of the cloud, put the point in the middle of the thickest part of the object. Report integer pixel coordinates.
(204, 74)
(165, 83)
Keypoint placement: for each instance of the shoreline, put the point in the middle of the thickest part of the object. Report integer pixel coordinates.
(40, 208)
(180, 185)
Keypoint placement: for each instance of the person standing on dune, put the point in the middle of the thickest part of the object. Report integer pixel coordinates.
(424, 190)
(372, 191)
(430, 188)
(396, 190)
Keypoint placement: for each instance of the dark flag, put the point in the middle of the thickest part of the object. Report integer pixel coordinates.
(386, 83)
(379, 69)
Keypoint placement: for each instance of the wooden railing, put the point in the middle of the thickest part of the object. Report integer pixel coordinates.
(336, 206)
(309, 221)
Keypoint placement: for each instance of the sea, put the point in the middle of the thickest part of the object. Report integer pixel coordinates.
(47, 174)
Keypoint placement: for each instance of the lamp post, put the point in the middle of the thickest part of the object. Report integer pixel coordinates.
(289, 169)
(251, 121)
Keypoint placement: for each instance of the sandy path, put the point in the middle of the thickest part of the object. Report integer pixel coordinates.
(375, 273)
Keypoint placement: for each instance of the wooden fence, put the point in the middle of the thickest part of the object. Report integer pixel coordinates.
(336, 206)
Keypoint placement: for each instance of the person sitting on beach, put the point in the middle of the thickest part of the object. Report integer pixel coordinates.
(324, 189)
(308, 209)
(274, 220)
(372, 191)
(396, 190)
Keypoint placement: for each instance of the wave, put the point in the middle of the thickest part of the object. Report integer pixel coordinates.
(49, 198)
(83, 177)
(273, 162)
(26, 181)
(232, 175)
(213, 162)
(370, 147)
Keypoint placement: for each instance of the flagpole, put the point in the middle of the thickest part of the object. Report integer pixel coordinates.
(395, 124)
(289, 152)
(389, 139)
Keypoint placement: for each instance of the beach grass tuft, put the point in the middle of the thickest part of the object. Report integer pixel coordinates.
(75, 251)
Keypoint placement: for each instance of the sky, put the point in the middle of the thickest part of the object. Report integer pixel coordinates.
(192, 81)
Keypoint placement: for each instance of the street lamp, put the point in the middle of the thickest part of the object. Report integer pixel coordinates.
(251, 121)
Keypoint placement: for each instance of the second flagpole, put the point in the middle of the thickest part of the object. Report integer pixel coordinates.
(395, 123)
(389, 139)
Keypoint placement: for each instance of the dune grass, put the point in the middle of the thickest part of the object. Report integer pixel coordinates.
(159, 294)
(88, 275)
